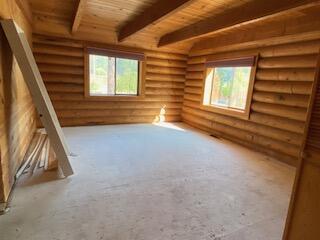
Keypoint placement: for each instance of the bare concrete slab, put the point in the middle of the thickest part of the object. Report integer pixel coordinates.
(152, 182)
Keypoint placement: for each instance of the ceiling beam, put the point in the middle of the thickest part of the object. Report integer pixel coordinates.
(250, 12)
(155, 13)
(78, 15)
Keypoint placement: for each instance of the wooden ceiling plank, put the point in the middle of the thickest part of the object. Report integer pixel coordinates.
(153, 14)
(245, 14)
(78, 15)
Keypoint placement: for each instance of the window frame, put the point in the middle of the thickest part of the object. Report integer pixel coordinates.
(239, 61)
(108, 52)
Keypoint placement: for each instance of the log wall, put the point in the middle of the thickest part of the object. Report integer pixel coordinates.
(61, 63)
(281, 95)
(17, 112)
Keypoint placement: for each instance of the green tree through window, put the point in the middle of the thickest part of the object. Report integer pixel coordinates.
(113, 76)
(230, 86)
(127, 75)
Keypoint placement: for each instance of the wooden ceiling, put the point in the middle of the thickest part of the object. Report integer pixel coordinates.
(102, 20)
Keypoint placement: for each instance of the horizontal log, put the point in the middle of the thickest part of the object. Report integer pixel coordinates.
(59, 60)
(116, 120)
(115, 113)
(80, 97)
(166, 55)
(212, 55)
(195, 68)
(167, 98)
(62, 78)
(195, 75)
(160, 84)
(64, 88)
(48, 40)
(293, 100)
(97, 105)
(166, 63)
(291, 49)
(278, 122)
(192, 97)
(193, 90)
(165, 70)
(59, 69)
(269, 143)
(58, 50)
(286, 74)
(266, 131)
(306, 61)
(164, 91)
(196, 60)
(284, 87)
(280, 156)
(194, 83)
(164, 77)
(191, 103)
(281, 111)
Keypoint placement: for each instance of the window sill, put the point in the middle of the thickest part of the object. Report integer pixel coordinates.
(227, 111)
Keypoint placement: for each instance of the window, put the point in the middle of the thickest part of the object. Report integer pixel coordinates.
(112, 73)
(229, 85)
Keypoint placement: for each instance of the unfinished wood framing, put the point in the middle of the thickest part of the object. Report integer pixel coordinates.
(30, 71)
(39, 157)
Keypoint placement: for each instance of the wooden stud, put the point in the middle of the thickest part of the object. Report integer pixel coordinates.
(30, 71)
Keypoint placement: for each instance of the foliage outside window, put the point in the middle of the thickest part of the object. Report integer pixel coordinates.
(228, 86)
(113, 76)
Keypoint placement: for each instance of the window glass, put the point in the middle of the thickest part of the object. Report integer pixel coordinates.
(101, 75)
(230, 87)
(112, 76)
(126, 76)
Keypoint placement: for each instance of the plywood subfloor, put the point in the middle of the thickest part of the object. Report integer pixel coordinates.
(144, 181)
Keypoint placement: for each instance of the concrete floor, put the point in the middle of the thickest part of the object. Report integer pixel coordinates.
(149, 182)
